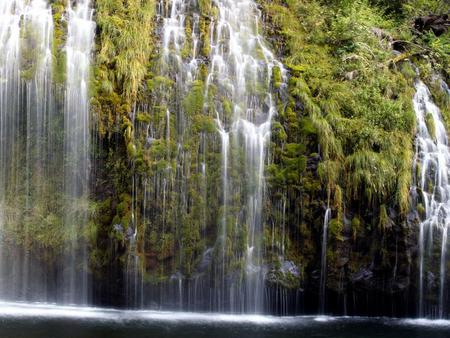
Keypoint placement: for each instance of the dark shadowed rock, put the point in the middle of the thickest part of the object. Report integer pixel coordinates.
(363, 275)
(437, 23)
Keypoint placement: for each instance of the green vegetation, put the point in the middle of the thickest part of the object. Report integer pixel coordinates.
(343, 138)
(350, 109)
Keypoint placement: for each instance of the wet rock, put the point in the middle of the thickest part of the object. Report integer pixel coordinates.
(118, 228)
(149, 141)
(393, 214)
(177, 276)
(206, 260)
(287, 275)
(342, 261)
(431, 280)
(412, 216)
(363, 275)
(400, 285)
(382, 34)
(130, 232)
(290, 267)
(312, 162)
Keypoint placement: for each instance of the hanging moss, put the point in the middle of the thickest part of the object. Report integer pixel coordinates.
(193, 102)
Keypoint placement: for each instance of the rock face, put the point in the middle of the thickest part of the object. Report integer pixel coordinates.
(437, 23)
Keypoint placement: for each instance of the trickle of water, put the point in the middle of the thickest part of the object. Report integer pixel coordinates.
(323, 264)
(433, 162)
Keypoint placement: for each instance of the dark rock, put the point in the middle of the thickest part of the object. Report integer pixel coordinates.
(290, 267)
(177, 276)
(437, 23)
(400, 285)
(130, 232)
(362, 275)
(412, 216)
(312, 162)
(431, 280)
(341, 261)
(288, 275)
(393, 214)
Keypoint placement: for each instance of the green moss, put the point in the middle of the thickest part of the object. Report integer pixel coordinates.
(384, 222)
(335, 226)
(204, 6)
(59, 41)
(421, 210)
(429, 121)
(276, 77)
(143, 117)
(356, 227)
(193, 102)
(205, 124)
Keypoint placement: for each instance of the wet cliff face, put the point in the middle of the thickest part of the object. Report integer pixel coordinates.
(342, 138)
(224, 155)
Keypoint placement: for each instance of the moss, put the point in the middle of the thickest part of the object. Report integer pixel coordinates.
(276, 77)
(59, 41)
(31, 53)
(123, 57)
(204, 37)
(346, 142)
(204, 124)
(204, 6)
(356, 227)
(335, 226)
(429, 121)
(421, 210)
(143, 117)
(167, 246)
(384, 222)
(193, 102)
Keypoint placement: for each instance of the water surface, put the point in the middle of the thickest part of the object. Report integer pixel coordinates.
(51, 321)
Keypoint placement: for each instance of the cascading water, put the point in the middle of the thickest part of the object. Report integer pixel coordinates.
(227, 79)
(26, 109)
(33, 152)
(10, 14)
(323, 261)
(80, 39)
(432, 163)
(240, 65)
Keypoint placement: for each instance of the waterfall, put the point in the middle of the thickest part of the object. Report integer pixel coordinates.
(323, 261)
(214, 66)
(222, 237)
(42, 211)
(10, 14)
(80, 38)
(240, 65)
(26, 141)
(432, 163)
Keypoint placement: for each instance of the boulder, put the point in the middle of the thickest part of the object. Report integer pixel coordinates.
(437, 23)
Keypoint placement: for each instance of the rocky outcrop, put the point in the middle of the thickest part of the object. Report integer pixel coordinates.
(437, 23)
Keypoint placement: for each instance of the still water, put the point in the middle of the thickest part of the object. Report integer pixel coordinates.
(51, 321)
